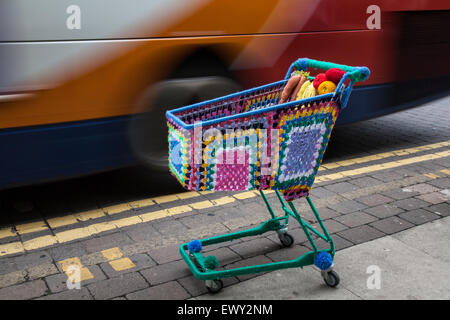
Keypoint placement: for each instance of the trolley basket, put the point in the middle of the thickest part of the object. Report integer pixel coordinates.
(250, 141)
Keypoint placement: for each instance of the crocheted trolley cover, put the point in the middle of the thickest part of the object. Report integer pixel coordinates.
(247, 141)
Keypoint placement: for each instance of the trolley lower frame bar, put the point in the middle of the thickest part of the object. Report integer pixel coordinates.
(196, 260)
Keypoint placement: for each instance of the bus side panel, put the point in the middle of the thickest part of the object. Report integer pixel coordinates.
(44, 153)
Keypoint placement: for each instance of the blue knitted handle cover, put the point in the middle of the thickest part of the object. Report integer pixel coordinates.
(356, 73)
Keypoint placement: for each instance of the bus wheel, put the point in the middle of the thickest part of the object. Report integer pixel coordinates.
(148, 130)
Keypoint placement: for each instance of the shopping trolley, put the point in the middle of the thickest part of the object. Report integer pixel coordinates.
(249, 141)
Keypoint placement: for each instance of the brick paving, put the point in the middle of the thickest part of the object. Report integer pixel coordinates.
(361, 234)
(118, 286)
(391, 225)
(354, 210)
(442, 209)
(24, 291)
(170, 290)
(384, 210)
(355, 219)
(419, 216)
(82, 294)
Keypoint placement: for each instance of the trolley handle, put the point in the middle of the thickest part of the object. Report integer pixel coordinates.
(356, 74)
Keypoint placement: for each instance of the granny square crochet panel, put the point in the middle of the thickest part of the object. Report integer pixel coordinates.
(280, 149)
(178, 154)
(304, 136)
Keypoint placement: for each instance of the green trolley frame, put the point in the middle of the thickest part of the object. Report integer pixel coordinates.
(278, 224)
(264, 101)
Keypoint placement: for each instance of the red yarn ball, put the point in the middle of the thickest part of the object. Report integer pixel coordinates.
(334, 75)
(321, 77)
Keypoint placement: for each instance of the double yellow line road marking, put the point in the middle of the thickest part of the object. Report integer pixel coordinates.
(96, 228)
(71, 219)
(382, 166)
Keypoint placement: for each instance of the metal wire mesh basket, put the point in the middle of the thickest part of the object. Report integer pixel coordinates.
(249, 141)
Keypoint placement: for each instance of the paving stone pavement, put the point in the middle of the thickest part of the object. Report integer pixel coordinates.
(409, 265)
(355, 209)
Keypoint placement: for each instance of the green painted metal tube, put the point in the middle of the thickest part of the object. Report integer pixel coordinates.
(304, 260)
(316, 232)
(200, 259)
(272, 214)
(269, 225)
(325, 231)
(272, 224)
(284, 207)
(302, 224)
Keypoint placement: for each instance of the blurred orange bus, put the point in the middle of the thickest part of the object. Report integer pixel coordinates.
(84, 84)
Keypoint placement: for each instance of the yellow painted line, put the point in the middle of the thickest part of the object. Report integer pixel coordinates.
(188, 195)
(178, 210)
(154, 215)
(88, 215)
(245, 195)
(61, 221)
(39, 242)
(330, 165)
(122, 264)
(99, 227)
(141, 203)
(119, 208)
(346, 162)
(201, 204)
(112, 254)
(431, 175)
(150, 201)
(75, 218)
(164, 199)
(11, 248)
(6, 232)
(31, 227)
(98, 213)
(177, 196)
(84, 232)
(74, 234)
(125, 222)
(371, 157)
(400, 152)
(392, 164)
(223, 200)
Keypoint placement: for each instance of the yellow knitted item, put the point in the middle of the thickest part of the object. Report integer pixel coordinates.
(302, 89)
(310, 91)
(326, 87)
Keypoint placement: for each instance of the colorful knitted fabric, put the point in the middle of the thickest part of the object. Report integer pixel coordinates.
(304, 136)
(262, 145)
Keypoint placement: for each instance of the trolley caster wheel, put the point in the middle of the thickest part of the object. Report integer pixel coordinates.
(214, 286)
(331, 278)
(286, 239)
